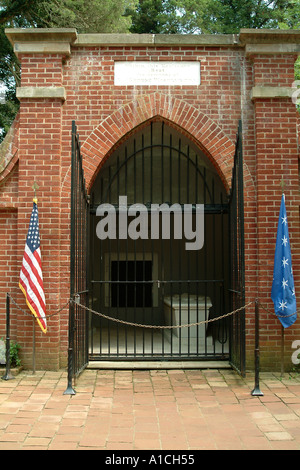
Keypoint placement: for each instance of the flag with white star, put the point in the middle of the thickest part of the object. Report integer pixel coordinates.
(283, 289)
(31, 276)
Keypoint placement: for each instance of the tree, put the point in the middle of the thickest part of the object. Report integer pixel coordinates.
(207, 16)
(229, 16)
(148, 16)
(155, 17)
(291, 16)
(97, 16)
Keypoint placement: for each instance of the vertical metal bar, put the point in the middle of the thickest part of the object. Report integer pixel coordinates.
(256, 392)
(151, 162)
(180, 271)
(87, 269)
(126, 266)
(197, 262)
(70, 390)
(118, 264)
(160, 297)
(7, 375)
(110, 327)
(143, 243)
(170, 171)
(152, 241)
(224, 323)
(33, 346)
(170, 332)
(188, 275)
(162, 162)
(282, 351)
(205, 253)
(135, 260)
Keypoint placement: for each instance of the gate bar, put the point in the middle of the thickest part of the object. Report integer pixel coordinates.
(70, 390)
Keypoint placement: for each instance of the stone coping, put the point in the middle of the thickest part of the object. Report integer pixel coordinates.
(271, 92)
(156, 39)
(19, 35)
(69, 35)
(41, 92)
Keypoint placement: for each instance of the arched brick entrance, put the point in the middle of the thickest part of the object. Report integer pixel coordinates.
(210, 138)
(142, 280)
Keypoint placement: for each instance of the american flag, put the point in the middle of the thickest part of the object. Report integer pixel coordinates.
(31, 276)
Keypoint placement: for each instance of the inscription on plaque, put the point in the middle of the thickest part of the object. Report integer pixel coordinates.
(158, 73)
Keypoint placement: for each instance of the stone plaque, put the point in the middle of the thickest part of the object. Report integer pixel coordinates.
(158, 73)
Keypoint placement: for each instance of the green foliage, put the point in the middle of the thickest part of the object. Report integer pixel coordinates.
(229, 16)
(94, 16)
(155, 17)
(291, 16)
(211, 16)
(14, 353)
(97, 16)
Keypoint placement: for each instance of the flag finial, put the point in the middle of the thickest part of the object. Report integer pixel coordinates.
(282, 184)
(35, 187)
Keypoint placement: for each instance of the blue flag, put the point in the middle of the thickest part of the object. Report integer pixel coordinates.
(283, 289)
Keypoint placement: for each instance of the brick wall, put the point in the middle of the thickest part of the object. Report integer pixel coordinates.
(104, 114)
(40, 161)
(276, 160)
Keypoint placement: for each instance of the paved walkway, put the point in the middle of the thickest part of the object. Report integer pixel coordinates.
(155, 410)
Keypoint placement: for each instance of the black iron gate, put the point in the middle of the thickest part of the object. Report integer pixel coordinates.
(237, 259)
(154, 280)
(78, 318)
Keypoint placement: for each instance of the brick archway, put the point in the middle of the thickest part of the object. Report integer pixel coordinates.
(219, 148)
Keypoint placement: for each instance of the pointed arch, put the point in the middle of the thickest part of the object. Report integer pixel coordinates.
(204, 131)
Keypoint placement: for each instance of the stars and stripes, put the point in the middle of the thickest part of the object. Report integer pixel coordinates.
(283, 289)
(31, 276)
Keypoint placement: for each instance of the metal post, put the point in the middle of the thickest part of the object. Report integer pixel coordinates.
(70, 390)
(33, 347)
(282, 351)
(257, 392)
(8, 375)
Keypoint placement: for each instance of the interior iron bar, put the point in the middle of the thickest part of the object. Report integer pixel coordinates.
(208, 208)
(151, 148)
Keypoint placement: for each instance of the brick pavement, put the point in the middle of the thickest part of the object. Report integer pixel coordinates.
(155, 410)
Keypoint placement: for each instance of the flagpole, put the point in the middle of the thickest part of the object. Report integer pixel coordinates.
(282, 184)
(282, 351)
(33, 347)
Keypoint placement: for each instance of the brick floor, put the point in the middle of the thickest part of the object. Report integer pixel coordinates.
(150, 410)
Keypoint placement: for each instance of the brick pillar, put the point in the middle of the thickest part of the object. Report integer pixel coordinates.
(276, 159)
(42, 97)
